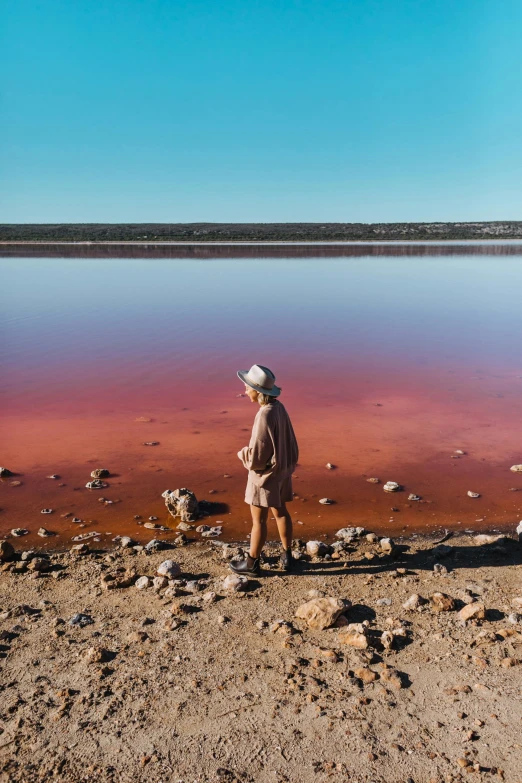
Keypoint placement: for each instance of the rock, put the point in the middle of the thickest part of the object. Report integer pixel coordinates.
(184, 527)
(518, 531)
(391, 486)
(125, 542)
(514, 618)
(211, 532)
(326, 501)
(473, 494)
(40, 564)
(96, 484)
(80, 620)
(142, 583)
(387, 546)
(19, 531)
(116, 580)
(97, 655)
(329, 466)
(80, 549)
(317, 548)
(100, 473)
(169, 568)
(392, 677)
(4, 472)
(46, 511)
(372, 538)
(440, 569)
(160, 583)
(210, 597)
(54, 476)
(514, 468)
(373, 480)
(517, 602)
(413, 602)
(383, 602)
(321, 613)
(155, 545)
(235, 582)
(350, 533)
(387, 639)
(460, 452)
(365, 674)
(354, 636)
(441, 602)
(411, 496)
(44, 533)
(7, 551)
(85, 536)
(151, 443)
(474, 611)
(181, 503)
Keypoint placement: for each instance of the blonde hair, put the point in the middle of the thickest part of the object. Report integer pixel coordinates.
(264, 399)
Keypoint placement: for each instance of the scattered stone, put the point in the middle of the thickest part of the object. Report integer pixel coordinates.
(80, 620)
(169, 568)
(44, 533)
(440, 569)
(365, 674)
(317, 548)
(349, 534)
(411, 496)
(115, 580)
(39, 564)
(441, 602)
(392, 677)
(210, 597)
(142, 583)
(100, 473)
(460, 452)
(508, 662)
(391, 486)
(7, 551)
(320, 613)
(85, 536)
(326, 501)
(473, 494)
(181, 503)
(387, 546)
(235, 582)
(372, 538)
(160, 583)
(19, 531)
(212, 532)
(97, 655)
(329, 466)
(413, 602)
(80, 549)
(518, 531)
(354, 636)
(383, 602)
(474, 611)
(4, 472)
(125, 542)
(514, 468)
(184, 526)
(387, 639)
(96, 484)
(151, 443)
(373, 480)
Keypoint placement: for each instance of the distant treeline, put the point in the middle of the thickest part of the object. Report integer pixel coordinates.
(256, 232)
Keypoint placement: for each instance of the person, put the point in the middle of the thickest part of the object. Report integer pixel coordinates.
(270, 459)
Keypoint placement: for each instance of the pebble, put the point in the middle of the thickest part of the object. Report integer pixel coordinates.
(516, 468)
(316, 548)
(4, 472)
(386, 545)
(53, 476)
(473, 494)
(320, 613)
(326, 501)
(411, 496)
(142, 583)
(474, 611)
(19, 531)
(169, 568)
(100, 473)
(391, 486)
(383, 602)
(81, 620)
(96, 484)
(441, 602)
(413, 602)
(235, 582)
(329, 466)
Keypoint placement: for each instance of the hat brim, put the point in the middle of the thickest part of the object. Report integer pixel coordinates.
(275, 391)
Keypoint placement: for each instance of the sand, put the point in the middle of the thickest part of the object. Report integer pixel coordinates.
(239, 689)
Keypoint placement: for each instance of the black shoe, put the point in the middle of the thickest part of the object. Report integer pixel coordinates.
(247, 567)
(286, 560)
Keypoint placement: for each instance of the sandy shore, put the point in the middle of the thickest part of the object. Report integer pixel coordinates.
(191, 681)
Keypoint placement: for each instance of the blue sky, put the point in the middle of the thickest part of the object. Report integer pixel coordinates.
(239, 110)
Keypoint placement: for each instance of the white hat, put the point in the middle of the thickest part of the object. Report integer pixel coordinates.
(261, 379)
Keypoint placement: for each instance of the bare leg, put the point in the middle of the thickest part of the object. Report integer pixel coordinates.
(258, 535)
(284, 525)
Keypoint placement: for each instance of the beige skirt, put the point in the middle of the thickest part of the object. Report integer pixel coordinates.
(273, 495)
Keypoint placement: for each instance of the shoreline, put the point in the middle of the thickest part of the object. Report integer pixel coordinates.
(408, 668)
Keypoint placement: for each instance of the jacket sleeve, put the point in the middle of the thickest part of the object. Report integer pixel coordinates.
(261, 448)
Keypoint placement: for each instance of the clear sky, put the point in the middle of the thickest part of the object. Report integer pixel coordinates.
(260, 110)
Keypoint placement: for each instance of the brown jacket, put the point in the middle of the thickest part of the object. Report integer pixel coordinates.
(273, 452)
